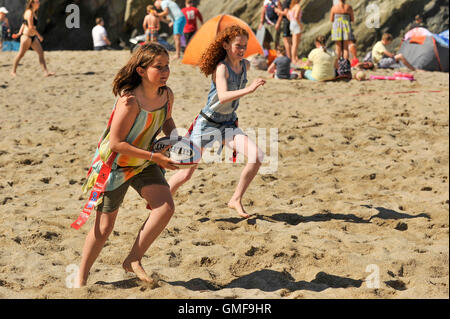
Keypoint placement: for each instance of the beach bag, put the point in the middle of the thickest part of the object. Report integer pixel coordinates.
(271, 16)
(344, 68)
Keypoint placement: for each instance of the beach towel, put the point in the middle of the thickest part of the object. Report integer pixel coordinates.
(10, 46)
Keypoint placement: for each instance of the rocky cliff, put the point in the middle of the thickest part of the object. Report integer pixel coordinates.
(124, 18)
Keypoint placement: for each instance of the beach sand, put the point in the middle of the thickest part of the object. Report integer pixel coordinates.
(356, 207)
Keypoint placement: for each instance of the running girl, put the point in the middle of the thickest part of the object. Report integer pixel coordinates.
(224, 61)
(142, 110)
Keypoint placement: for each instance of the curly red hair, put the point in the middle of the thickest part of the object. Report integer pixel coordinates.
(215, 52)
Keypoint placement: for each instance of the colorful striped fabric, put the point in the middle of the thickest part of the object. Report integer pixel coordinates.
(143, 133)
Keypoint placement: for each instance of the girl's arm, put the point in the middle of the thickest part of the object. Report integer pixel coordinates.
(272, 68)
(169, 125)
(352, 15)
(124, 116)
(222, 87)
(144, 25)
(332, 14)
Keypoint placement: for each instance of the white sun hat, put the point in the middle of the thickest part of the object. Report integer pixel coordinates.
(3, 10)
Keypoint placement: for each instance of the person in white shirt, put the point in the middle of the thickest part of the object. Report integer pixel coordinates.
(100, 36)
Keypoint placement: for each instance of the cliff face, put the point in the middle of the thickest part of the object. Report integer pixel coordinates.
(394, 17)
(124, 17)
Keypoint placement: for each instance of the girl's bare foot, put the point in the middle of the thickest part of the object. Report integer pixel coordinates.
(237, 205)
(79, 283)
(47, 74)
(136, 267)
(13, 74)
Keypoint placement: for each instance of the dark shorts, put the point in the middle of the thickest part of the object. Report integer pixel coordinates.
(151, 175)
(105, 47)
(188, 36)
(285, 27)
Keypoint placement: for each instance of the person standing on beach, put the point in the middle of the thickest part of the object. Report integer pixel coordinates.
(100, 36)
(270, 15)
(296, 28)
(151, 24)
(4, 25)
(341, 33)
(143, 109)
(217, 121)
(192, 14)
(30, 37)
(285, 26)
(171, 9)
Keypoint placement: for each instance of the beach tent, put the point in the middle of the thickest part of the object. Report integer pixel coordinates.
(442, 38)
(425, 53)
(206, 34)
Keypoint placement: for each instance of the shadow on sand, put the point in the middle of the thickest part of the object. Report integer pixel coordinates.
(269, 280)
(295, 219)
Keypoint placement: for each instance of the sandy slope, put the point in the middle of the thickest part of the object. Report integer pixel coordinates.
(361, 187)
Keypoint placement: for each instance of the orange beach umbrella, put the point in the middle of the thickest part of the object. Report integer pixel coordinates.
(207, 33)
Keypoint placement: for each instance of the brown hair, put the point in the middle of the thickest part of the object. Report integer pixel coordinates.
(98, 20)
(128, 79)
(29, 5)
(321, 40)
(387, 37)
(281, 49)
(150, 8)
(215, 52)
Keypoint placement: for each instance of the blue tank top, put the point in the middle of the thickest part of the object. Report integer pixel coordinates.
(226, 112)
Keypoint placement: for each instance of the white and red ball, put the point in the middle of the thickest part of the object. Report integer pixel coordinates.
(179, 149)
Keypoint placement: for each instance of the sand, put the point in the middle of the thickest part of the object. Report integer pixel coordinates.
(357, 206)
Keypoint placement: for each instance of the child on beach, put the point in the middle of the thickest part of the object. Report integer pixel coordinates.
(384, 59)
(281, 66)
(151, 24)
(224, 61)
(143, 109)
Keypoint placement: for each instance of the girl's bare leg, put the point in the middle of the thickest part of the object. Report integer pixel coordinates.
(160, 199)
(288, 44)
(95, 240)
(25, 44)
(36, 45)
(338, 49)
(243, 145)
(180, 177)
(345, 49)
(295, 44)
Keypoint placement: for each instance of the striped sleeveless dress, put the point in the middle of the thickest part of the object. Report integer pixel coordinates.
(147, 126)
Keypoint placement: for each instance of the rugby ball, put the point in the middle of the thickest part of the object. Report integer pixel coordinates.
(179, 149)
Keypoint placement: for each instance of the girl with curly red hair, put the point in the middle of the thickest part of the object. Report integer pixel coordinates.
(217, 121)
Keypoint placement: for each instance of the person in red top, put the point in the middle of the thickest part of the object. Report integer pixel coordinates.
(192, 14)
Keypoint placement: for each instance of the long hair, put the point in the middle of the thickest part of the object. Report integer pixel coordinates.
(128, 79)
(215, 52)
(29, 5)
